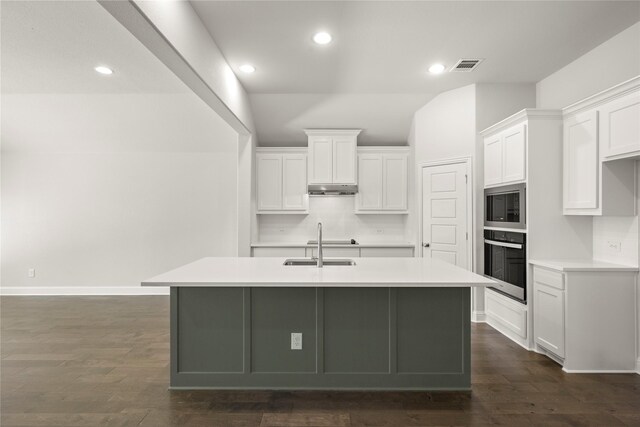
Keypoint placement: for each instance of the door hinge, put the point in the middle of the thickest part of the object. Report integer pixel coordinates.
(467, 233)
(466, 178)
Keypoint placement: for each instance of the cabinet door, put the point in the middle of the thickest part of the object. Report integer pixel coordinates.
(294, 182)
(394, 182)
(369, 195)
(514, 154)
(620, 126)
(269, 185)
(344, 160)
(548, 318)
(493, 160)
(320, 160)
(580, 161)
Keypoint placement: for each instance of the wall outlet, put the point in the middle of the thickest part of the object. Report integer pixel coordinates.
(379, 231)
(614, 246)
(296, 341)
(31, 273)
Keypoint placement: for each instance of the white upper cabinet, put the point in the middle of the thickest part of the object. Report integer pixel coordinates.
(505, 156)
(332, 156)
(320, 160)
(382, 180)
(493, 160)
(294, 182)
(620, 126)
(269, 183)
(394, 181)
(369, 181)
(601, 142)
(580, 161)
(514, 154)
(281, 181)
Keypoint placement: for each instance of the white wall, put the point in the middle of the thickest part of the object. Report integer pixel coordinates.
(102, 191)
(338, 222)
(613, 62)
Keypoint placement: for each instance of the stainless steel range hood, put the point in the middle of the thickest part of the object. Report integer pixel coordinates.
(332, 189)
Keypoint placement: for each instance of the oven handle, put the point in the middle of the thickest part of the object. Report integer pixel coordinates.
(503, 244)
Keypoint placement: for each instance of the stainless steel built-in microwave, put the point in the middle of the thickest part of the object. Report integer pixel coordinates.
(505, 207)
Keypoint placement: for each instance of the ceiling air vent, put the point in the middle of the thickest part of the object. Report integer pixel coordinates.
(466, 65)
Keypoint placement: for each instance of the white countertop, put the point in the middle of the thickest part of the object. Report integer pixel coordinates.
(329, 245)
(373, 272)
(581, 265)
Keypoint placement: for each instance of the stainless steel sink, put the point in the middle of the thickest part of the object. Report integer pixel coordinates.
(310, 262)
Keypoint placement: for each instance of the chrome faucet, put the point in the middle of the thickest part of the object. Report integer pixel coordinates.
(319, 245)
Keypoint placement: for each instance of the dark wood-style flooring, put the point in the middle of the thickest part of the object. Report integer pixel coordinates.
(93, 361)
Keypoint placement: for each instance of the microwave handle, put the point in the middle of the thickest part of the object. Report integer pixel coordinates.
(503, 244)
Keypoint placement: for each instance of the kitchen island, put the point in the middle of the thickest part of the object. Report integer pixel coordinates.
(383, 323)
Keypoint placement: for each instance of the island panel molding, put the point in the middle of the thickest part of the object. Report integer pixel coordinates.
(353, 338)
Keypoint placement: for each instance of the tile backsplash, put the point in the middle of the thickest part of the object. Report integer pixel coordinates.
(338, 222)
(615, 239)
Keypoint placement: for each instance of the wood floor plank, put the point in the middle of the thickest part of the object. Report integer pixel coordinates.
(86, 361)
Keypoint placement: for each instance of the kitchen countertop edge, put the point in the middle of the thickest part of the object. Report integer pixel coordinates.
(582, 265)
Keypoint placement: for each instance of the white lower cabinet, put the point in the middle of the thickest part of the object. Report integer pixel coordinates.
(386, 252)
(548, 320)
(278, 252)
(333, 252)
(585, 319)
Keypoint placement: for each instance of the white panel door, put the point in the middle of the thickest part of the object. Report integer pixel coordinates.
(320, 160)
(620, 125)
(548, 318)
(493, 160)
(344, 160)
(394, 182)
(514, 164)
(444, 213)
(294, 182)
(269, 181)
(369, 195)
(580, 161)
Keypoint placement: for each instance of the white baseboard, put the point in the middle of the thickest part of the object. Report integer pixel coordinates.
(478, 316)
(599, 371)
(638, 366)
(82, 290)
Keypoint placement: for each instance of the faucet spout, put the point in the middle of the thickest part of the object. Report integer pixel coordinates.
(320, 262)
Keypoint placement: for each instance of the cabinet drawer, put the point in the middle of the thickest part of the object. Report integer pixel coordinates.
(335, 252)
(509, 314)
(551, 278)
(279, 252)
(386, 252)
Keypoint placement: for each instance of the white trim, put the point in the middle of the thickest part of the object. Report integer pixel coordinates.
(82, 290)
(638, 366)
(478, 317)
(295, 150)
(526, 114)
(323, 132)
(470, 204)
(603, 97)
(599, 371)
(383, 149)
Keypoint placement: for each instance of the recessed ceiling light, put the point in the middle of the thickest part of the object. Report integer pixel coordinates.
(104, 70)
(436, 69)
(322, 38)
(247, 68)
